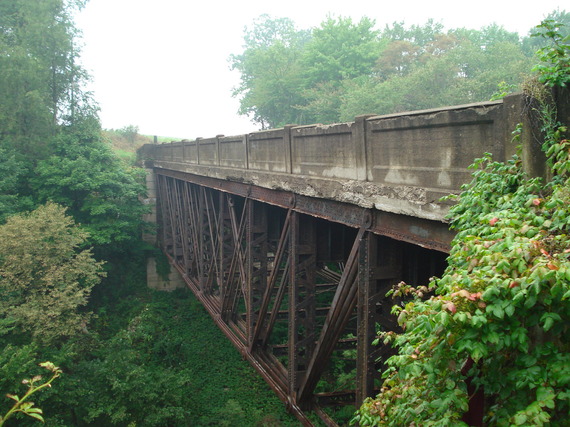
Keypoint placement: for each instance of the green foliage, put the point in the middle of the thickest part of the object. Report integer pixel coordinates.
(131, 356)
(500, 313)
(12, 174)
(503, 89)
(100, 191)
(554, 69)
(22, 405)
(39, 79)
(44, 276)
(270, 72)
(342, 69)
(165, 363)
(338, 51)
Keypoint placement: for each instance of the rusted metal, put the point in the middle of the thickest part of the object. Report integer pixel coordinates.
(433, 235)
(258, 258)
(342, 306)
(257, 247)
(380, 268)
(267, 297)
(301, 300)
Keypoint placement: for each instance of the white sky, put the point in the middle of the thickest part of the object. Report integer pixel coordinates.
(162, 65)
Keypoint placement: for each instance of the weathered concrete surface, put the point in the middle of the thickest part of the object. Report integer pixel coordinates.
(400, 163)
(154, 281)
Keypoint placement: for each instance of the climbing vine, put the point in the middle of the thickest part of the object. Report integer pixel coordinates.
(498, 321)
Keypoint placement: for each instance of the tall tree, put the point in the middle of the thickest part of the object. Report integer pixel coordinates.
(270, 87)
(339, 51)
(457, 67)
(101, 192)
(40, 80)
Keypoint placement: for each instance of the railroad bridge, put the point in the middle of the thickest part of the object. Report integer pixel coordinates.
(291, 237)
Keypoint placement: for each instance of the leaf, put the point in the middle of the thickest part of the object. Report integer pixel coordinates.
(498, 311)
(520, 419)
(548, 323)
(545, 393)
(36, 416)
(548, 320)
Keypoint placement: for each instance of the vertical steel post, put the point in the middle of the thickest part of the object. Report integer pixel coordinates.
(301, 298)
(256, 259)
(366, 307)
(379, 269)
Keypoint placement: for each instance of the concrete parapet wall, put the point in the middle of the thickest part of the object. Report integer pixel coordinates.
(269, 150)
(433, 149)
(400, 163)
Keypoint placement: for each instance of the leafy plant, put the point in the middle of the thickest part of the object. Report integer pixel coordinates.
(22, 404)
(498, 321)
(503, 89)
(554, 69)
(45, 277)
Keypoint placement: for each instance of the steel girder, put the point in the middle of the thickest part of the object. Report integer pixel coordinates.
(250, 256)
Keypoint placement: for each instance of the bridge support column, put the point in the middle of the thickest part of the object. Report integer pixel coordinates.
(257, 247)
(379, 269)
(301, 297)
(172, 279)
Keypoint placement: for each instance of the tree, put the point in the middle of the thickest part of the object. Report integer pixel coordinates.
(40, 81)
(342, 69)
(11, 173)
(339, 51)
(448, 69)
(270, 87)
(101, 192)
(45, 278)
(419, 35)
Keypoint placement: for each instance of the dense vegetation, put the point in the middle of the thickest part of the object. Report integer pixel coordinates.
(497, 322)
(342, 68)
(72, 266)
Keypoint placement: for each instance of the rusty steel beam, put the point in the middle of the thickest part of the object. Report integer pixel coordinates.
(422, 232)
(341, 308)
(266, 367)
(264, 307)
(380, 269)
(238, 245)
(302, 267)
(366, 308)
(257, 247)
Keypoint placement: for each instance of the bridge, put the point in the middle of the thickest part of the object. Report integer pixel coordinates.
(291, 237)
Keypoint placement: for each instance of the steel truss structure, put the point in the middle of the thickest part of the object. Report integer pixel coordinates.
(298, 285)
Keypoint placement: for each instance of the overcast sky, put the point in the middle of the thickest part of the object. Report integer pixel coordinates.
(162, 65)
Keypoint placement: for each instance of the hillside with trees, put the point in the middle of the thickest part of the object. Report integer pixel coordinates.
(341, 69)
